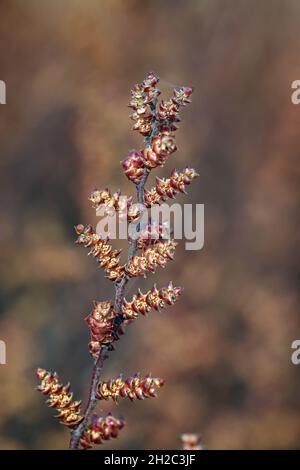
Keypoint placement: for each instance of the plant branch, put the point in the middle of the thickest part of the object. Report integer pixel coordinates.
(119, 296)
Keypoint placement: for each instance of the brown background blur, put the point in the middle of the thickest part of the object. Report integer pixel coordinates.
(225, 348)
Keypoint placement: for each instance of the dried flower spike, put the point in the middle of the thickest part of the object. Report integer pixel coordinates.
(168, 188)
(153, 299)
(101, 429)
(135, 387)
(157, 255)
(59, 397)
(107, 257)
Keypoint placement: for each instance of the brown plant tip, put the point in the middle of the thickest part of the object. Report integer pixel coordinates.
(169, 187)
(157, 255)
(101, 250)
(101, 429)
(59, 397)
(191, 441)
(142, 96)
(141, 304)
(133, 388)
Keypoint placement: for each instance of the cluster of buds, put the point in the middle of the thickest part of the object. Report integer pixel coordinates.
(153, 299)
(169, 187)
(143, 95)
(191, 441)
(59, 397)
(135, 387)
(168, 112)
(160, 125)
(114, 202)
(101, 429)
(152, 234)
(162, 146)
(101, 250)
(157, 255)
(101, 323)
(134, 167)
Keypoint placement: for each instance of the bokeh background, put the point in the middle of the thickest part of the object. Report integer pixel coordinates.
(225, 348)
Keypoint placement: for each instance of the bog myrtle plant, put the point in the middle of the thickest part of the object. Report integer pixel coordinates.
(148, 249)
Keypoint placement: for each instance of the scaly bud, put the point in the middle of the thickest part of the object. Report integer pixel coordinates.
(135, 387)
(182, 95)
(59, 397)
(101, 429)
(162, 145)
(101, 323)
(133, 166)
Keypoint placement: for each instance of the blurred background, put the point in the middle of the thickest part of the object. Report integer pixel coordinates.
(224, 348)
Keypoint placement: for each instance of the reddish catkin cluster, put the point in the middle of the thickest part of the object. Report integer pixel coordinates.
(101, 429)
(157, 122)
(59, 397)
(134, 388)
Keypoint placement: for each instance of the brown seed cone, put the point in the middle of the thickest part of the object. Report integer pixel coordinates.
(135, 387)
(168, 188)
(101, 429)
(141, 304)
(159, 254)
(59, 397)
(107, 257)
